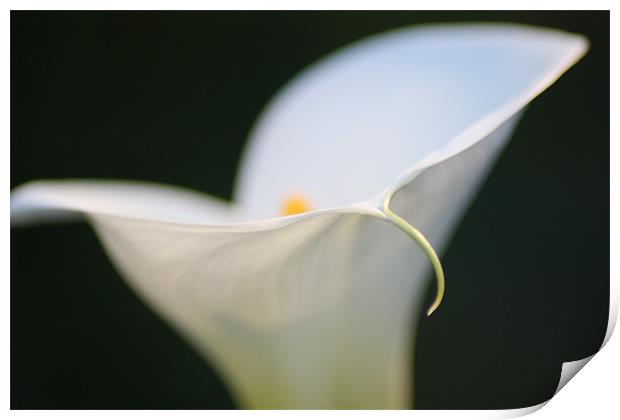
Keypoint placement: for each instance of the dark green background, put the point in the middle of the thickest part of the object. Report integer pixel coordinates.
(170, 97)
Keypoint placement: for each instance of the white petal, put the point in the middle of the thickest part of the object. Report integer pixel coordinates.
(314, 314)
(351, 124)
(65, 199)
(312, 311)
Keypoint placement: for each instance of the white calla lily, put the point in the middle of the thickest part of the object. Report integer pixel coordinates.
(318, 310)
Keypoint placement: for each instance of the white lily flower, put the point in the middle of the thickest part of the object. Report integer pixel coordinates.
(380, 141)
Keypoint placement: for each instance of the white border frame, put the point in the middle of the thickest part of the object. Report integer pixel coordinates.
(593, 394)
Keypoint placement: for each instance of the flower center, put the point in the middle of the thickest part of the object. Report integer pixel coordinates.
(294, 204)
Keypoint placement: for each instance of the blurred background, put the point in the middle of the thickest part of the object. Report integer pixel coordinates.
(171, 97)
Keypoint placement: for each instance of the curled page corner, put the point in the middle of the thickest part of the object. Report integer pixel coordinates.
(569, 370)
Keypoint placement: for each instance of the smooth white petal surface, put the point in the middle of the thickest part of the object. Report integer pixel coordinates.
(352, 123)
(65, 199)
(318, 310)
(315, 314)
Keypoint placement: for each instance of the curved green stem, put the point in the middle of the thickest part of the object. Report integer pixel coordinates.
(428, 249)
